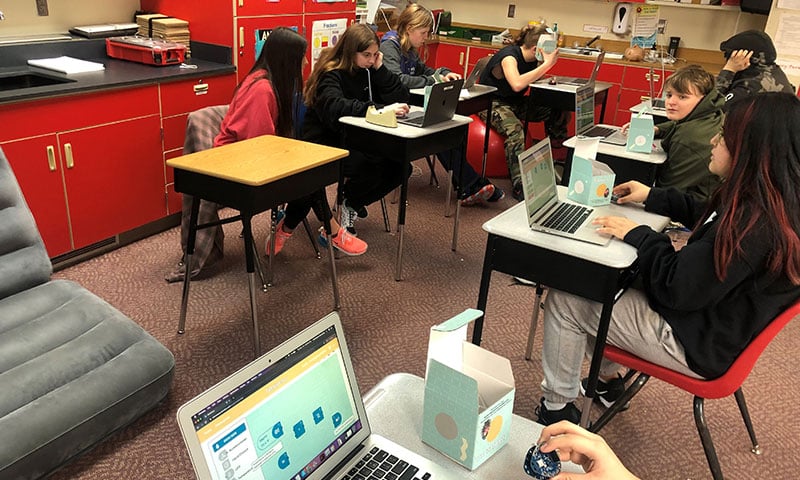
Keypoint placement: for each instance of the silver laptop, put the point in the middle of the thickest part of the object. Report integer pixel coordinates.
(441, 106)
(657, 103)
(584, 119)
(584, 81)
(476, 72)
(294, 413)
(546, 213)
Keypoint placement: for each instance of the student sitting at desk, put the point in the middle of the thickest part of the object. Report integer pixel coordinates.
(694, 109)
(750, 66)
(263, 105)
(511, 70)
(348, 78)
(400, 50)
(701, 305)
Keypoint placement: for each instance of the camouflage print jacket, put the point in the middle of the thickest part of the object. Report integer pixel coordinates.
(760, 77)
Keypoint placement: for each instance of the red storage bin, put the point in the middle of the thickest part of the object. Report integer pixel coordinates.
(146, 50)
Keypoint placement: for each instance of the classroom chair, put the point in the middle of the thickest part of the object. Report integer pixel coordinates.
(729, 383)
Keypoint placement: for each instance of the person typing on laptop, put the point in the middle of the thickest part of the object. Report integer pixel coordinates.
(699, 306)
(348, 78)
(511, 70)
(401, 56)
(694, 112)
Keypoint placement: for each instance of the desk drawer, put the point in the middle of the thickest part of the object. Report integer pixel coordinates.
(191, 95)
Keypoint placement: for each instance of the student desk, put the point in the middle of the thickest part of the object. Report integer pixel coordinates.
(407, 143)
(594, 272)
(394, 408)
(562, 96)
(252, 176)
(471, 102)
(626, 165)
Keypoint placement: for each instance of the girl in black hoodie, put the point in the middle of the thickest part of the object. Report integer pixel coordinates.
(348, 78)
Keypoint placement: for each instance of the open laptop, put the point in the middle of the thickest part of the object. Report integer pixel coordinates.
(584, 119)
(441, 105)
(546, 213)
(657, 103)
(294, 413)
(584, 81)
(476, 72)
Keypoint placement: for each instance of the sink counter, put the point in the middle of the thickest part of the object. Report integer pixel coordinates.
(209, 60)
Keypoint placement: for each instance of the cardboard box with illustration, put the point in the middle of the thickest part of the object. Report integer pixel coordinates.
(590, 181)
(469, 395)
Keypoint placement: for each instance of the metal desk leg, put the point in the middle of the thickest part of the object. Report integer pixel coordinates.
(459, 188)
(272, 229)
(483, 290)
(597, 358)
(534, 320)
(401, 223)
(488, 126)
(251, 279)
(310, 234)
(187, 261)
(326, 227)
(449, 192)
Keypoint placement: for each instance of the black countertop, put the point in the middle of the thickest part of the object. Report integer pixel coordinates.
(209, 60)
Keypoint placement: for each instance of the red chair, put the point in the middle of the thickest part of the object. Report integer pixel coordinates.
(729, 383)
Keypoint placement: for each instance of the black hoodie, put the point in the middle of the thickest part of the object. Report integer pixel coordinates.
(763, 75)
(340, 93)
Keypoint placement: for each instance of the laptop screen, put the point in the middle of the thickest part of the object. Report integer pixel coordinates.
(538, 178)
(276, 424)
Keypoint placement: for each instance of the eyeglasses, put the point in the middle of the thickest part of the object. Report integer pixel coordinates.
(540, 465)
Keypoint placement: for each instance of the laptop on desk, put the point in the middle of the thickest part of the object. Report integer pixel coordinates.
(295, 413)
(546, 213)
(584, 119)
(476, 72)
(584, 81)
(440, 107)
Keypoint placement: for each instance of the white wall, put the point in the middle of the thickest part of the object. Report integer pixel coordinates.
(698, 28)
(22, 19)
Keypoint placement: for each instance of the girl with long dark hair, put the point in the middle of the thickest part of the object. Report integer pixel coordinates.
(267, 103)
(700, 306)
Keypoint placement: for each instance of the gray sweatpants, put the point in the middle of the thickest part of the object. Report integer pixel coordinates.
(570, 327)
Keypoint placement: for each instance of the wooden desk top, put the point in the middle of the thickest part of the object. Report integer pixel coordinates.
(258, 161)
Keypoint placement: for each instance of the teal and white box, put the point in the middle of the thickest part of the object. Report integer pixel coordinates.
(640, 134)
(590, 182)
(469, 395)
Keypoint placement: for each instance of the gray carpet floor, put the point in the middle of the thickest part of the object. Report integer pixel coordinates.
(387, 324)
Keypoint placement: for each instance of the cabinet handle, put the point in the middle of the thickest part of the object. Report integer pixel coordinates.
(200, 88)
(461, 58)
(241, 3)
(656, 76)
(51, 158)
(68, 155)
(241, 40)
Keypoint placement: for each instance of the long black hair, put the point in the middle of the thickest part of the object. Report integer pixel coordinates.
(282, 60)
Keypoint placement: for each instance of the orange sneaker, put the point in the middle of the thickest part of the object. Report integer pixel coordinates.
(348, 244)
(280, 239)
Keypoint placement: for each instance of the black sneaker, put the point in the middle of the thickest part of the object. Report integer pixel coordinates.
(547, 417)
(607, 392)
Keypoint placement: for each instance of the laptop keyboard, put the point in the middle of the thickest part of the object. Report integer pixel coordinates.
(598, 131)
(380, 464)
(567, 217)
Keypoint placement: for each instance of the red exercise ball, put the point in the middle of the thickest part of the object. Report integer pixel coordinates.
(496, 159)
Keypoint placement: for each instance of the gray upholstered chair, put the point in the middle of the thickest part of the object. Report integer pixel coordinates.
(73, 369)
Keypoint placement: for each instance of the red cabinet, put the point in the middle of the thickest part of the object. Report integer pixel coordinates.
(249, 31)
(636, 88)
(248, 8)
(88, 172)
(178, 99)
(36, 164)
(317, 6)
(319, 42)
(454, 57)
